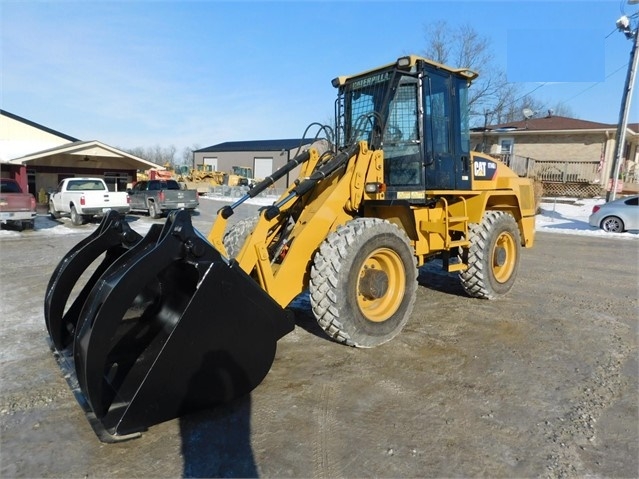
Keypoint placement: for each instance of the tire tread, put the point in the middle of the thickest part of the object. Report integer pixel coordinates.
(324, 281)
(475, 279)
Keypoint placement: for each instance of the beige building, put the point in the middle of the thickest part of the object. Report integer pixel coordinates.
(39, 157)
(558, 149)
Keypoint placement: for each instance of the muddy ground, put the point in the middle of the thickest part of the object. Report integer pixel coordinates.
(541, 383)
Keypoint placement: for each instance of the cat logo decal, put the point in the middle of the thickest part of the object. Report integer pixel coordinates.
(484, 169)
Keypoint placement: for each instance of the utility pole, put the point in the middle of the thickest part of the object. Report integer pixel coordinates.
(623, 24)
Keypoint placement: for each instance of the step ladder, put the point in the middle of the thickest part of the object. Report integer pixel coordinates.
(456, 223)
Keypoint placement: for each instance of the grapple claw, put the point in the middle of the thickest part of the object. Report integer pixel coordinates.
(170, 327)
(113, 237)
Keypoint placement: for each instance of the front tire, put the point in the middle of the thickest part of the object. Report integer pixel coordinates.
(363, 282)
(236, 235)
(52, 211)
(493, 257)
(612, 224)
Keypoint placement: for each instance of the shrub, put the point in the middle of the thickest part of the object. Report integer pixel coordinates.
(538, 189)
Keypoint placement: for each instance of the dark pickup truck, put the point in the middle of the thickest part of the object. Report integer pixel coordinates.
(160, 196)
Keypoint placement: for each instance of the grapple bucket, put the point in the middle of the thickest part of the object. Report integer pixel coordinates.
(113, 237)
(171, 327)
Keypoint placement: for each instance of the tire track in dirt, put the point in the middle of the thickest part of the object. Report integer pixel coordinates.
(576, 430)
(323, 460)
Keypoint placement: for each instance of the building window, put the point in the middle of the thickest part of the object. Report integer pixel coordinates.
(116, 181)
(507, 146)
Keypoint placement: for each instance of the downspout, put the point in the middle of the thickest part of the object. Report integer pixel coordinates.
(607, 157)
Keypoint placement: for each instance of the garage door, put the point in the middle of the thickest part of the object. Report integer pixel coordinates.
(263, 167)
(210, 164)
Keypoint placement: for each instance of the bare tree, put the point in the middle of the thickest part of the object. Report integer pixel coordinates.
(539, 108)
(513, 110)
(187, 155)
(492, 99)
(160, 155)
(168, 155)
(136, 151)
(562, 109)
(491, 95)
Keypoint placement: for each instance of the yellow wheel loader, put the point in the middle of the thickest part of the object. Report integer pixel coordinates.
(173, 322)
(240, 176)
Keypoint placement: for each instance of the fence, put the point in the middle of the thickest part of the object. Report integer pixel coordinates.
(559, 178)
(239, 191)
(553, 171)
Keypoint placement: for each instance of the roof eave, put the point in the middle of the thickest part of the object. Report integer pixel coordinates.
(570, 131)
(70, 147)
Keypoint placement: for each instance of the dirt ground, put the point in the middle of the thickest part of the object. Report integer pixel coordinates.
(541, 383)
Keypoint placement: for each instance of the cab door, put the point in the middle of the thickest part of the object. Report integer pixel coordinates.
(447, 159)
(137, 196)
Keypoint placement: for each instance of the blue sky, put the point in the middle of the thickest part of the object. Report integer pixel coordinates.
(144, 73)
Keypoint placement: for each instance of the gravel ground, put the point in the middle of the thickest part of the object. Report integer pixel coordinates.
(540, 383)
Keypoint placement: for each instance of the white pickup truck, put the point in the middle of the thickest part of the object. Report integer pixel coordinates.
(82, 198)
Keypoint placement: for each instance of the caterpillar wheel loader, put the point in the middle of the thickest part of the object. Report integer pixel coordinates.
(174, 321)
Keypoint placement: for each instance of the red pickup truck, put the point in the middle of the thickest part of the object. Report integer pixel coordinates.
(15, 206)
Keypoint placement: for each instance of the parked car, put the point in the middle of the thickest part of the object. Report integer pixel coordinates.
(82, 198)
(616, 216)
(16, 207)
(160, 196)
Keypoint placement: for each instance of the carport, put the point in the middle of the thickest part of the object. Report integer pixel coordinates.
(42, 171)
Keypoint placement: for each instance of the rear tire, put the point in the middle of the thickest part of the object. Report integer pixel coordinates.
(76, 218)
(153, 210)
(493, 257)
(235, 236)
(363, 282)
(612, 224)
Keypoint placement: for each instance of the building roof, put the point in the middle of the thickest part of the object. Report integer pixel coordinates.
(554, 123)
(37, 125)
(257, 145)
(86, 150)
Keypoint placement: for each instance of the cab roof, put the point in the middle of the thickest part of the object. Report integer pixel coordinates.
(408, 62)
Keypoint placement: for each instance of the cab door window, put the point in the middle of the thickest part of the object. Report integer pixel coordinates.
(403, 165)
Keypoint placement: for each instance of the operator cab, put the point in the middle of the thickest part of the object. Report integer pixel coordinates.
(416, 111)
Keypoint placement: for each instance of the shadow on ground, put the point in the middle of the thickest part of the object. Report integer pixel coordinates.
(217, 442)
(432, 276)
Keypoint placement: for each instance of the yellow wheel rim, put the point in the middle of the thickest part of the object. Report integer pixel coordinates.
(381, 285)
(504, 257)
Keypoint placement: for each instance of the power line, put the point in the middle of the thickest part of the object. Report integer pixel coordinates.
(513, 102)
(595, 84)
(613, 31)
(546, 83)
(529, 93)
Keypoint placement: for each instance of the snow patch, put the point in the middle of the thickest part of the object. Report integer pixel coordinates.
(557, 215)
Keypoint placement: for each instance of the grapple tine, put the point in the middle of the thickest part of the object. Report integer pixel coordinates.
(113, 237)
(150, 347)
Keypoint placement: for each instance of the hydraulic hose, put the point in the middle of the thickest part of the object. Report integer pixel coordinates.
(318, 175)
(227, 211)
(326, 170)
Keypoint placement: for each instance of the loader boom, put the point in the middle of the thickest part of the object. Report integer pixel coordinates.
(335, 196)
